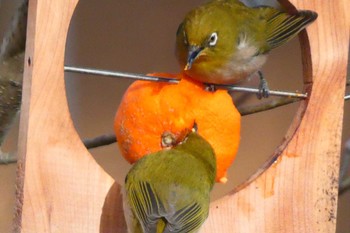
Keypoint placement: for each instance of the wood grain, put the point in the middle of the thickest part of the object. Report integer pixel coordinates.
(62, 189)
(298, 191)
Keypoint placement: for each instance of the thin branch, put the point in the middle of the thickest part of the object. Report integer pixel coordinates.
(11, 69)
(271, 104)
(344, 168)
(108, 139)
(347, 97)
(102, 140)
(344, 179)
(344, 186)
(14, 40)
(7, 158)
(10, 92)
(11, 74)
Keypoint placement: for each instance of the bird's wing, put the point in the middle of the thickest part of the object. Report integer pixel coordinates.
(188, 219)
(145, 204)
(281, 27)
(151, 213)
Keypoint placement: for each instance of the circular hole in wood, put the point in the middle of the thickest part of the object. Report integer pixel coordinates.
(139, 37)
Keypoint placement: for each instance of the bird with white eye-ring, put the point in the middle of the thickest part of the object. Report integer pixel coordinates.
(246, 37)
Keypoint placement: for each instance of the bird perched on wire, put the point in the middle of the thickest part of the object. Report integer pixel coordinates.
(225, 42)
(168, 191)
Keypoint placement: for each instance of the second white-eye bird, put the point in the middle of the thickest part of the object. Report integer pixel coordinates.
(168, 191)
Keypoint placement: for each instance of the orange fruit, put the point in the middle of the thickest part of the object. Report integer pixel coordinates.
(149, 110)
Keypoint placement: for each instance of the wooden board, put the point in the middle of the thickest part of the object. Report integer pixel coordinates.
(62, 189)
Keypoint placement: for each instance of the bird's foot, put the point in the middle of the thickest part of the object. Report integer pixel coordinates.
(264, 91)
(210, 87)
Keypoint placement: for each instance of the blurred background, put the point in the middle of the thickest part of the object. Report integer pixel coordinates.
(139, 36)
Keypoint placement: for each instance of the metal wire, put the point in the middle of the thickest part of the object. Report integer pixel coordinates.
(256, 91)
(116, 74)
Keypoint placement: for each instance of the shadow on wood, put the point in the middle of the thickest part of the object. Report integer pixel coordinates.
(112, 218)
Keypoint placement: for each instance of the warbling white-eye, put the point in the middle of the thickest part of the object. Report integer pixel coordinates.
(224, 41)
(168, 191)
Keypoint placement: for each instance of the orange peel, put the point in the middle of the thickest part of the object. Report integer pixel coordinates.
(150, 109)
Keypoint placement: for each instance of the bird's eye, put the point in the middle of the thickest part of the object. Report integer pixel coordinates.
(213, 39)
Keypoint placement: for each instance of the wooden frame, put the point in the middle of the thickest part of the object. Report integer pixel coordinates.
(62, 189)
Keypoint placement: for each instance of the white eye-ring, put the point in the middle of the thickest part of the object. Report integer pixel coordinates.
(185, 38)
(213, 39)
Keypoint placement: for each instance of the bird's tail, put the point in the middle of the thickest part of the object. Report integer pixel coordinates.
(161, 225)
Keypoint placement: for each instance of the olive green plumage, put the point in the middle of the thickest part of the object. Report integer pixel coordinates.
(168, 191)
(224, 41)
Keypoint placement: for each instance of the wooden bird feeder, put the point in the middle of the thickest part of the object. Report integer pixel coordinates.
(61, 188)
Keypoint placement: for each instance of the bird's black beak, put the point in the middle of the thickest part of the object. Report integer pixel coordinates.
(193, 53)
